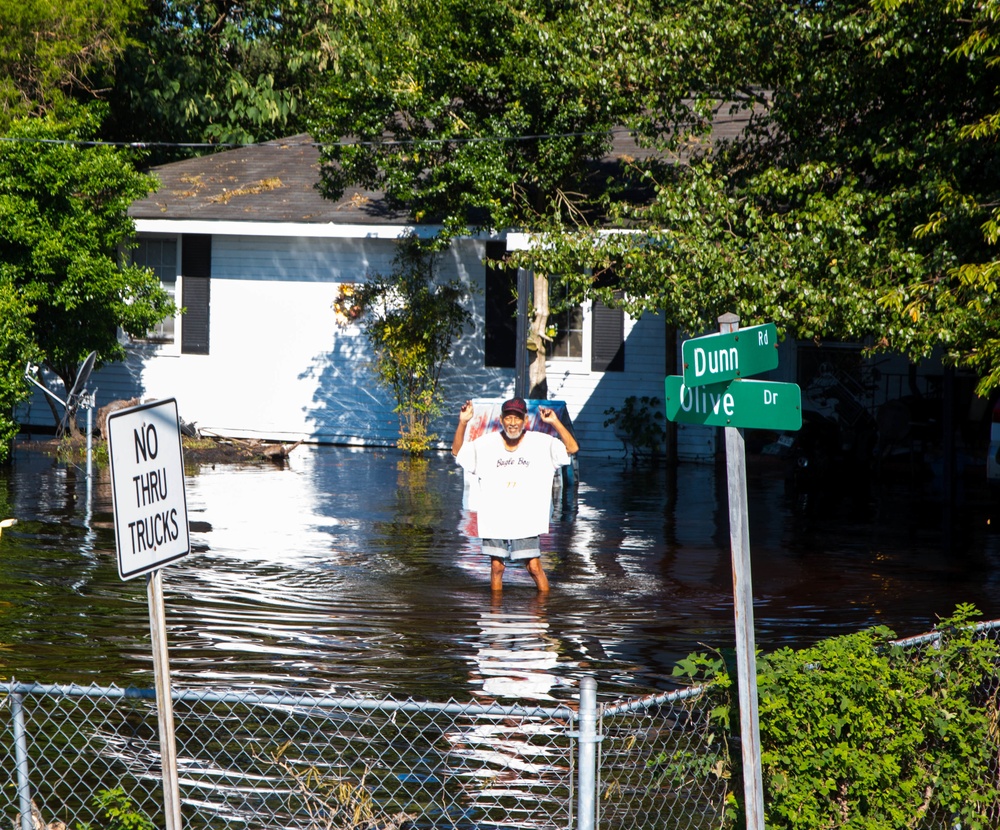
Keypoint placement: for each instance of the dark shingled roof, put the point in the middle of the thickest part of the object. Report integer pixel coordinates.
(271, 182)
(277, 182)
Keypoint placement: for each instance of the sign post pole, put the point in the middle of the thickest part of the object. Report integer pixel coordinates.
(746, 651)
(164, 701)
(151, 530)
(714, 391)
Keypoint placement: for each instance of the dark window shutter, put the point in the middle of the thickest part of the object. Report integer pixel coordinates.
(196, 283)
(607, 339)
(501, 311)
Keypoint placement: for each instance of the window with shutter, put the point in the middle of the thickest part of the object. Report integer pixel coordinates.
(160, 255)
(565, 325)
(501, 310)
(196, 283)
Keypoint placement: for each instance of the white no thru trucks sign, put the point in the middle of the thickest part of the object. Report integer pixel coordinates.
(147, 487)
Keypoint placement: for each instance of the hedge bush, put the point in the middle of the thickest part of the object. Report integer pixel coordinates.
(861, 732)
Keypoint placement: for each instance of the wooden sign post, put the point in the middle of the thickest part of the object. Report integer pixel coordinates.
(713, 391)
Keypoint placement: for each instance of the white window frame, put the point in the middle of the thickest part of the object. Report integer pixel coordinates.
(577, 365)
(571, 366)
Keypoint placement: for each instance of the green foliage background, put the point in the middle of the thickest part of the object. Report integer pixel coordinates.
(196, 72)
(858, 201)
(490, 114)
(53, 51)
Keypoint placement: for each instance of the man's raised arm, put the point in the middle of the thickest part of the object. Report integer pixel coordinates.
(550, 417)
(464, 416)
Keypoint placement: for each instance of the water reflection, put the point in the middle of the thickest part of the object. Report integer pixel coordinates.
(353, 570)
(516, 654)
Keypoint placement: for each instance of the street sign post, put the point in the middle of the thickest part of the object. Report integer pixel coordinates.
(753, 404)
(725, 356)
(713, 391)
(151, 530)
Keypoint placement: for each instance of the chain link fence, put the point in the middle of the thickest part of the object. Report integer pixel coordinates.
(657, 765)
(252, 760)
(304, 761)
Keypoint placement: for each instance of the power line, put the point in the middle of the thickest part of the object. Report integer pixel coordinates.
(135, 145)
(142, 145)
(149, 145)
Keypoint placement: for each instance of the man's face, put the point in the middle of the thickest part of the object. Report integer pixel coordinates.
(513, 426)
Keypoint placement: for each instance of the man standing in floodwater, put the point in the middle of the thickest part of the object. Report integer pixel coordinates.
(515, 468)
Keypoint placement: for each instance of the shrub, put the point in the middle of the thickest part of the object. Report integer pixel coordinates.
(858, 732)
(119, 813)
(639, 425)
(411, 322)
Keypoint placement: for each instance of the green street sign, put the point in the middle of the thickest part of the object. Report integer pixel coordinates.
(716, 358)
(750, 404)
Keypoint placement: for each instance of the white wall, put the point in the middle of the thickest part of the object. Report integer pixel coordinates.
(280, 368)
(588, 394)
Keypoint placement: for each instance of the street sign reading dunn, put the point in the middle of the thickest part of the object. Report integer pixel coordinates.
(743, 353)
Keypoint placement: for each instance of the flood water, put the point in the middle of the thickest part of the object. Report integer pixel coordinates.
(351, 570)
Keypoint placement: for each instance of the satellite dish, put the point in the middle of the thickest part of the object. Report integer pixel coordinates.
(76, 390)
(82, 376)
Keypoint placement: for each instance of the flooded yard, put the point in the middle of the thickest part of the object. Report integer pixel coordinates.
(351, 570)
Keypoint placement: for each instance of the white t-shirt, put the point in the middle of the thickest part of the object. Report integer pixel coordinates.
(515, 498)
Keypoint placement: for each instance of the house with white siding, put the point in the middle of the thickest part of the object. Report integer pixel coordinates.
(255, 258)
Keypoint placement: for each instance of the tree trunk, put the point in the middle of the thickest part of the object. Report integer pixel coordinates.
(538, 339)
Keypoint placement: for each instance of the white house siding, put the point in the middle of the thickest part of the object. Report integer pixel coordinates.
(588, 394)
(280, 368)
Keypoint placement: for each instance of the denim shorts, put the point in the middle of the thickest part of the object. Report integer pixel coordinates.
(513, 549)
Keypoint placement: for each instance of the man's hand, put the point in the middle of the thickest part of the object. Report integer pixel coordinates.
(466, 412)
(548, 415)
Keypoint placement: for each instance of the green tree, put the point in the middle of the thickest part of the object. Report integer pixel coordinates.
(493, 114)
(858, 202)
(965, 200)
(54, 50)
(218, 72)
(16, 348)
(411, 321)
(63, 223)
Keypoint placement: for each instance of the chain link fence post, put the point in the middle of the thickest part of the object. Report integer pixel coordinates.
(587, 769)
(21, 760)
